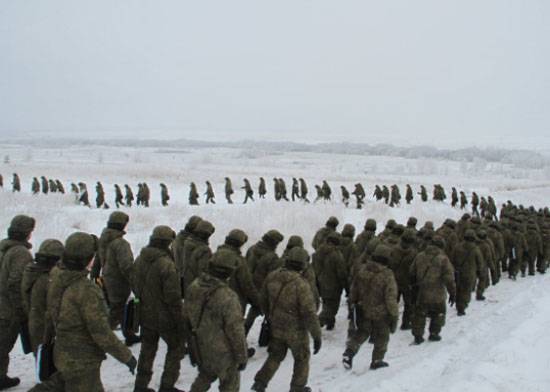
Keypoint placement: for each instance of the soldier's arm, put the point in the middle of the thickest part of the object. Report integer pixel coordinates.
(341, 269)
(125, 259)
(25, 292)
(449, 277)
(94, 313)
(390, 296)
(171, 291)
(234, 328)
(264, 299)
(244, 277)
(21, 257)
(308, 310)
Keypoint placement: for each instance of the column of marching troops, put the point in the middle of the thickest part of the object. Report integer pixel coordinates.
(390, 196)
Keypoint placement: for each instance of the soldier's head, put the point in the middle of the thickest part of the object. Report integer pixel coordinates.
(481, 234)
(333, 239)
(466, 217)
(438, 242)
(79, 251)
(294, 241)
(370, 225)
(398, 230)
(348, 231)
(192, 223)
(297, 259)
(332, 223)
(427, 235)
(390, 224)
(450, 223)
(476, 221)
(236, 238)
(204, 229)
(412, 222)
(161, 237)
(49, 253)
(222, 264)
(118, 220)
(429, 225)
(21, 227)
(382, 254)
(470, 235)
(273, 238)
(408, 238)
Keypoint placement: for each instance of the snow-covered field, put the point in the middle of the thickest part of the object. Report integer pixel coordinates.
(501, 345)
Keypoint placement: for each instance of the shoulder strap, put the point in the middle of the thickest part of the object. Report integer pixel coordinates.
(273, 306)
(207, 298)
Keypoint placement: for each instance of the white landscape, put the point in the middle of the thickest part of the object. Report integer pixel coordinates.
(501, 345)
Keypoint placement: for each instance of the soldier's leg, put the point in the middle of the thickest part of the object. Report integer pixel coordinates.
(203, 381)
(381, 335)
(277, 352)
(419, 321)
(463, 294)
(437, 318)
(231, 380)
(116, 310)
(251, 316)
(356, 337)
(531, 262)
(408, 310)
(149, 346)
(301, 354)
(54, 384)
(172, 361)
(8, 336)
(481, 285)
(328, 312)
(84, 381)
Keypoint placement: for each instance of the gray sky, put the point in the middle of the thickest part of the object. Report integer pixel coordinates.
(363, 70)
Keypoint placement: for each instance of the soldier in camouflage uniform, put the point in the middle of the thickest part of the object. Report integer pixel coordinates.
(262, 259)
(366, 235)
(129, 195)
(321, 235)
(100, 195)
(34, 288)
(475, 202)
(386, 194)
(519, 248)
(156, 285)
(77, 313)
(332, 278)
(534, 248)
(262, 189)
(249, 193)
(276, 189)
(319, 191)
(345, 195)
(303, 190)
(53, 186)
(295, 189)
(146, 195)
(209, 193)
(119, 199)
(290, 308)
(423, 193)
(35, 187)
(409, 194)
(197, 252)
(327, 192)
(487, 251)
(373, 298)
(114, 262)
(16, 183)
(282, 189)
(178, 245)
(14, 257)
(431, 273)
(214, 315)
(228, 190)
(463, 200)
(403, 255)
(454, 197)
(193, 195)
(45, 185)
(390, 224)
(60, 187)
(164, 196)
(395, 196)
(308, 273)
(139, 196)
(378, 193)
(83, 194)
(359, 193)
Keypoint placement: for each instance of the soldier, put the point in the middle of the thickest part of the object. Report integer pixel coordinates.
(345, 195)
(519, 248)
(139, 195)
(35, 187)
(146, 195)
(319, 191)
(213, 313)
(74, 189)
(249, 193)
(454, 197)
(448, 233)
(196, 252)
(118, 196)
(463, 200)
(209, 193)
(385, 194)
(164, 196)
(262, 259)
(475, 202)
(129, 195)
(409, 194)
(488, 255)
(322, 233)
(411, 224)
(45, 186)
(282, 186)
(327, 192)
(16, 183)
(1, 181)
(423, 193)
(534, 248)
(193, 195)
(53, 186)
(468, 263)
(378, 193)
(156, 284)
(348, 249)
(373, 298)
(14, 257)
(332, 277)
(483, 205)
(276, 189)
(290, 308)
(60, 187)
(303, 190)
(114, 262)
(366, 235)
(100, 195)
(295, 189)
(390, 224)
(359, 193)
(34, 288)
(430, 273)
(262, 189)
(492, 208)
(83, 194)
(395, 196)
(178, 245)
(228, 190)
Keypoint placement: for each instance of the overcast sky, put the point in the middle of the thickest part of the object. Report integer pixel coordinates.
(305, 70)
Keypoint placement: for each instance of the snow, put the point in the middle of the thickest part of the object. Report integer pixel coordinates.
(501, 345)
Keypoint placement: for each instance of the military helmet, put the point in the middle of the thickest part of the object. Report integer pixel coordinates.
(398, 230)
(118, 218)
(80, 249)
(297, 258)
(370, 225)
(450, 223)
(429, 225)
(332, 222)
(428, 234)
(390, 224)
(408, 236)
(348, 231)
(295, 240)
(470, 235)
(223, 259)
(382, 254)
(192, 223)
(237, 236)
(163, 233)
(482, 234)
(273, 236)
(438, 241)
(22, 224)
(466, 217)
(204, 228)
(333, 238)
(412, 221)
(51, 248)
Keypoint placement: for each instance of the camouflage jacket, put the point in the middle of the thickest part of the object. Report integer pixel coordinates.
(432, 272)
(196, 254)
(330, 270)
(34, 292)
(115, 258)
(468, 262)
(363, 239)
(262, 260)
(14, 257)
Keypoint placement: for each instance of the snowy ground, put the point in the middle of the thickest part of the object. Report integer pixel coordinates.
(501, 345)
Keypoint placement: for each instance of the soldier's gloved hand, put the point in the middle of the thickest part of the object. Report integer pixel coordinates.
(132, 364)
(316, 345)
(452, 300)
(241, 367)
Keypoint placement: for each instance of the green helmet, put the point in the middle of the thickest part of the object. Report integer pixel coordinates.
(412, 222)
(192, 223)
(164, 233)
(390, 224)
(409, 236)
(118, 218)
(382, 254)
(22, 224)
(237, 236)
(470, 235)
(370, 225)
(80, 247)
(438, 241)
(204, 228)
(51, 248)
(297, 258)
(348, 231)
(429, 225)
(333, 238)
(398, 230)
(332, 222)
(294, 241)
(450, 223)
(482, 234)
(223, 259)
(273, 237)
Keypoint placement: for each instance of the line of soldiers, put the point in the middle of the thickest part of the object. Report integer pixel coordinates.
(204, 301)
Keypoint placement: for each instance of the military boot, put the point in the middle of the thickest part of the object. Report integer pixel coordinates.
(251, 352)
(347, 359)
(480, 297)
(258, 386)
(130, 340)
(378, 364)
(418, 340)
(461, 313)
(8, 382)
(434, 337)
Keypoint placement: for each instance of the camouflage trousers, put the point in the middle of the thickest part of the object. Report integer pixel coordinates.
(436, 314)
(529, 262)
(174, 354)
(408, 309)
(514, 266)
(329, 310)
(378, 330)
(278, 347)
(482, 284)
(8, 336)
(230, 380)
(88, 380)
(463, 294)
